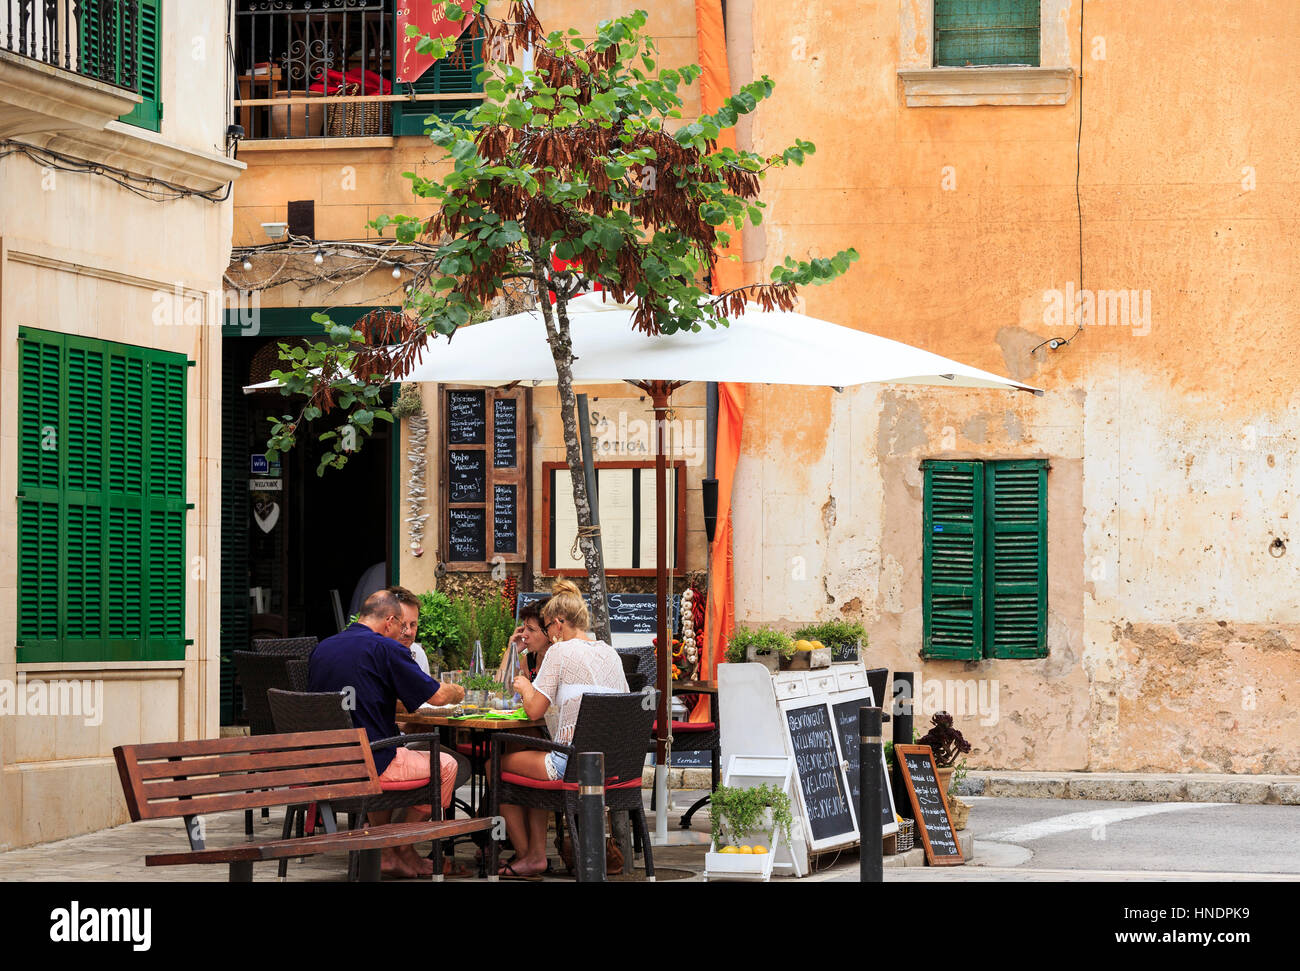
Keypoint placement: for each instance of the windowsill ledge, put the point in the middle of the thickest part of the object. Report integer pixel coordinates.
(944, 86)
(36, 98)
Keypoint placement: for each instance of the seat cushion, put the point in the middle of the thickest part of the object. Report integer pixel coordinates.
(682, 728)
(406, 786)
(558, 784)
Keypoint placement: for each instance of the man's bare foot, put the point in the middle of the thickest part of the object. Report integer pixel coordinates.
(523, 868)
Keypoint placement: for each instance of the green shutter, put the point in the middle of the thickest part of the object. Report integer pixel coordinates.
(98, 33)
(1016, 575)
(146, 46)
(445, 77)
(40, 496)
(101, 507)
(968, 32)
(953, 561)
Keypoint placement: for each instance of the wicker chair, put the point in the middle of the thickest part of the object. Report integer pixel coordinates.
(303, 711)
(613, 724)
(292, 646)
(258, 673)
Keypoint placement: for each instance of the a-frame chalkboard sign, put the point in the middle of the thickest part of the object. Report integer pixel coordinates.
(929, 805)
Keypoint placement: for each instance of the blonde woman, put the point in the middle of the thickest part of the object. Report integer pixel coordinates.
(575, 664)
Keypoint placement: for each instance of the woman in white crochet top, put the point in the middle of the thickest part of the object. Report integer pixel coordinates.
(576, 664)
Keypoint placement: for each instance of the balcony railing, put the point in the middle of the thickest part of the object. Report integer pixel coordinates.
(325, 68)
(94, 38)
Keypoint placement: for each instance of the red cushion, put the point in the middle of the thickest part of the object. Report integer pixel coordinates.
(523, 780)
(403, 786)
(682, 727)
(464, 748)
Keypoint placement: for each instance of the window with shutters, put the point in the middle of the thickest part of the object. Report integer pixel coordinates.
(134, 59)
(101, 500)
(984, 580)
(969, 32)
(457, 74)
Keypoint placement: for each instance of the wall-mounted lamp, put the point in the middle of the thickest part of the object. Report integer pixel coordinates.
(275, 231)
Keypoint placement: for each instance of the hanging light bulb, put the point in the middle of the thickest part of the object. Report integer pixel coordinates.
(248, 264)
(319, 258)
(397, 273)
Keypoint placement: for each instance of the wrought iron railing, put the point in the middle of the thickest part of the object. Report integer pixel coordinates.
(297, 59)
(94, 38)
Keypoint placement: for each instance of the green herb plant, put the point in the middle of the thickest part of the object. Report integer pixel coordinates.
(763, 642)
(742, 810)
(438, 633)
(481, 682)
(833, 632)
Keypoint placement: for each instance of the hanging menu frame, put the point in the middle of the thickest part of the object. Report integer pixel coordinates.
(842, 835)
(555, 548)
(474, 429)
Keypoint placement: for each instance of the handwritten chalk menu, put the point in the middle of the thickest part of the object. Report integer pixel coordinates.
(822, 786)
(505, 526)
(929, 805)
(467, 533)
(467, 479)
(846, 727)
(629, 613)
(505, 435)
(466, 417)
(483, 477)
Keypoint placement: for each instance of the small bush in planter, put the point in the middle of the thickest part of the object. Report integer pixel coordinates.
(482, 682)
(762, 641)
(833, 633)
(742, 811)
(945, 741)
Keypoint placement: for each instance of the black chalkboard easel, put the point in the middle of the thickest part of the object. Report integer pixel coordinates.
(822, 786)
(929, 805)
(846, 725)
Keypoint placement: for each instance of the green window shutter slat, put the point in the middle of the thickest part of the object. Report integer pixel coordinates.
(166, 575)
(85, 574)
(125, 574)
(1016, 577)
(445, 77)
(39, 400)
(126, 413)
(146, 48)
(167, 428)
(968, 32)
(38, 581)
(85, 398)
(953, 562)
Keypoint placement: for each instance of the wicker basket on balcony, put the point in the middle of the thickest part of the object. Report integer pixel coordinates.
(354, 119)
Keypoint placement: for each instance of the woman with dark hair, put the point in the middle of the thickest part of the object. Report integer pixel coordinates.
(575, 664)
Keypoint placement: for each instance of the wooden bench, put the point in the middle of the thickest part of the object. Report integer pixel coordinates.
(188, 779)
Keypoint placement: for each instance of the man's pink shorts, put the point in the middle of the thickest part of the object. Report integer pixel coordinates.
(410, 766)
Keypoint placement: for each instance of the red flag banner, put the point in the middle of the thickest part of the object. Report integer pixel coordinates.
(429, 17)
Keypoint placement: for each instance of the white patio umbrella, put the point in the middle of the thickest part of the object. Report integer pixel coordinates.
(760, 347)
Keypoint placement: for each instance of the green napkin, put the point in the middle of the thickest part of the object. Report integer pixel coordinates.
(517, 715)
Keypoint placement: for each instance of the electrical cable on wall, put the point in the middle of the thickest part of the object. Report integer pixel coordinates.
(1058, 342)
(145, 186)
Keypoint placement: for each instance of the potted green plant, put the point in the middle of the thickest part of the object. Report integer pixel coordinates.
(478, 687)
(948, 745)
(740, 814)
(765, 647)
(836, 635)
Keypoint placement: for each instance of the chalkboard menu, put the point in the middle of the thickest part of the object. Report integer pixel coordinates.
(466, 417)
(467, 479)
(846, 726)
(821, 779)
(505, 527)
(467, 532)
(929, 805)
(504, 437)
(629, 613)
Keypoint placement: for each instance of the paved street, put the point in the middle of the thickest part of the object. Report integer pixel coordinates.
(1072, 839)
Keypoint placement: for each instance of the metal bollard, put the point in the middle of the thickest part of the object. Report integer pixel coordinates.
(871, 862)
(590, 840)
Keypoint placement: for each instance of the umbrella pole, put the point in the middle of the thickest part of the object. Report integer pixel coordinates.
(659, 391)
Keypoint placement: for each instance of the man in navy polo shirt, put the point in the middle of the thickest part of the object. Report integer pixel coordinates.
(367, 661)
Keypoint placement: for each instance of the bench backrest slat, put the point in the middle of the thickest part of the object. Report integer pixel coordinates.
(169, 779)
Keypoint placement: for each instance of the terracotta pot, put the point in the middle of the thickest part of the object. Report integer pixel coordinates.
(960, 812)
(945, 778)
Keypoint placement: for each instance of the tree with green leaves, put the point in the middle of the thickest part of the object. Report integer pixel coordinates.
(579, 171)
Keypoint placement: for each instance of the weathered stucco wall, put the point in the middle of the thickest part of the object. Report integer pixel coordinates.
(1172, 626)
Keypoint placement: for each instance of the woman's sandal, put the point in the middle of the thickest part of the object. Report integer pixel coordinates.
(508, 873)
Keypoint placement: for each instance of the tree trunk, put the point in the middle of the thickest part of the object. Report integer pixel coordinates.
(557, 336)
